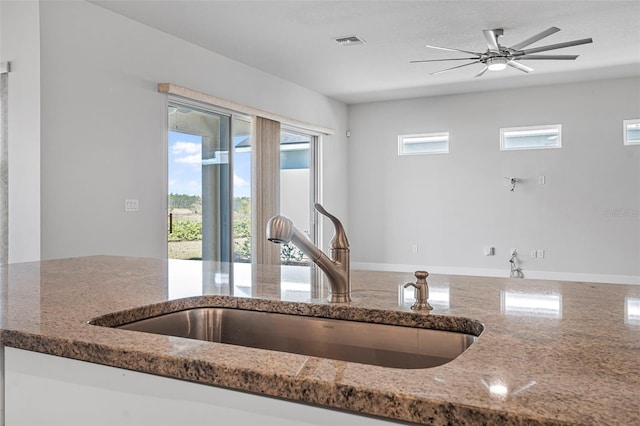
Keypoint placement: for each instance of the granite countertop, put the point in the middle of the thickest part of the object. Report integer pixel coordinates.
(551, 352)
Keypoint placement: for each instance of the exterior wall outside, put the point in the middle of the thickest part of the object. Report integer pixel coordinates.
(294, 184)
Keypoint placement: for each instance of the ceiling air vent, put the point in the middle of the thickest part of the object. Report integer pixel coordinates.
(349, 40)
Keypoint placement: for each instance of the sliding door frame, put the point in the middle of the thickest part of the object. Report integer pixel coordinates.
(314, 132)
(232, 115)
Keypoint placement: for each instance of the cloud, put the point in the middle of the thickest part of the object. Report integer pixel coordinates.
(187, 152)
(238, 182)
(190, 159)
(181, 147)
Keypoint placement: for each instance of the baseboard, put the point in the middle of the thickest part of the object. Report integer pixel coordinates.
(487, 272)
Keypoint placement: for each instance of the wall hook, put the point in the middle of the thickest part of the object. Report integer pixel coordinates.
(513, 182)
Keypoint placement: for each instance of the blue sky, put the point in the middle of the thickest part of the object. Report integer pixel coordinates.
(185, 166)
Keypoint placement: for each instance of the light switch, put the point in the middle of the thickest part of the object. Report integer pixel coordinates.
(131, 205)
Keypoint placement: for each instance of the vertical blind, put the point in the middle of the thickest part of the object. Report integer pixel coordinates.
(265, 188)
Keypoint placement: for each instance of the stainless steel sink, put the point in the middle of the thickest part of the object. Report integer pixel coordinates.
(368, 343)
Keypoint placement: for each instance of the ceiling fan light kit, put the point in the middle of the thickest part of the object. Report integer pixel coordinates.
(498, 57)
(497, 63)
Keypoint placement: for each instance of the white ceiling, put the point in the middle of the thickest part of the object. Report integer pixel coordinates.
(295, 40)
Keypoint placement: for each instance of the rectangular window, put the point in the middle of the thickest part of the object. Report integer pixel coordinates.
(632, 132)
(423, 143)
(530, 137)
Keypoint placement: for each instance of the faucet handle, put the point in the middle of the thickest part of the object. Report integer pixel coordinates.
(339, 240)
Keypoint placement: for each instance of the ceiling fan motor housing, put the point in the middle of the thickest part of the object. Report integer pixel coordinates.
(497, 57)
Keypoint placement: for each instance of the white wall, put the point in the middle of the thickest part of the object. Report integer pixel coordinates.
(20, 45)
(586, 217)
(103, 136)
(103, 126)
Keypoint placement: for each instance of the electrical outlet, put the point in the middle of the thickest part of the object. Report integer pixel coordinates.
(414, 249)
(534, 254)
(540, 253)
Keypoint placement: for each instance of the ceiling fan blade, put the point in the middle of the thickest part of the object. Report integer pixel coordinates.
(486, 67)
(454, 50)
(553, 46)
(520, 67)
(452, 68)
(560, 57)
(533, 39)
(492, 40)
(439, 60)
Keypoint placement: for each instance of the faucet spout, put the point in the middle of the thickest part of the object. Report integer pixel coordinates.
(280, 229)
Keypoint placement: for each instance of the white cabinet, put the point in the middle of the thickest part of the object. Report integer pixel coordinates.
(48, 390)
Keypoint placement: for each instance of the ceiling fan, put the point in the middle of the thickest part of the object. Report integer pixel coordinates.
(498, 57)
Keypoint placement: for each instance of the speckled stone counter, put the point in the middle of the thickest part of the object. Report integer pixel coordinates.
(551, 352)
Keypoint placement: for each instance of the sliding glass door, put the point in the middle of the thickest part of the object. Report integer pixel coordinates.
(200, 193)
(199, 177)
(296, 189)
(297, 196)
(211, 241)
